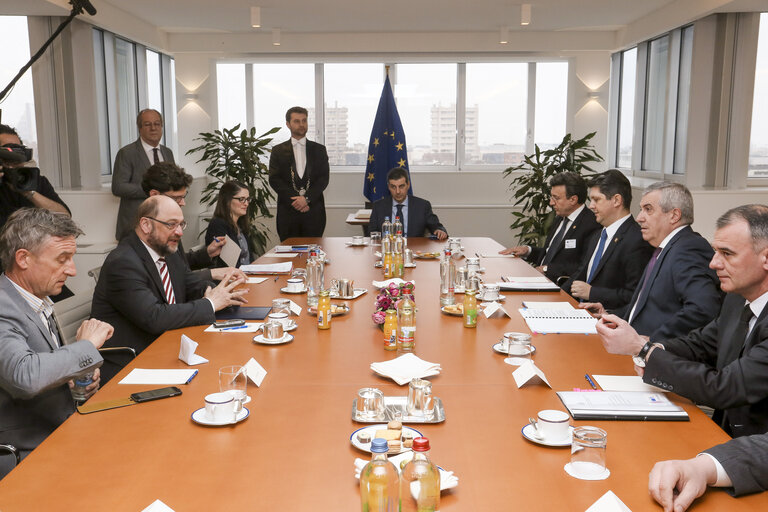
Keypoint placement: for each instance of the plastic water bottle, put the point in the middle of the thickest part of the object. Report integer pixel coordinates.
(397, 226)
(315, 278)
(447, 279)
(78, 390)
(379, 481)
(420, 481)
(386, 228)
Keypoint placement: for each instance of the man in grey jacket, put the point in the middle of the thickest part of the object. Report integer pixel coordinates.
(36, 365)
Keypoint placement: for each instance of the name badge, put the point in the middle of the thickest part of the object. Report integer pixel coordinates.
(570, 244)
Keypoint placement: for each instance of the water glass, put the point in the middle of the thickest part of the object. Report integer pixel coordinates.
(588, 450)
(234, 380)
(281, 306)
(519, 348)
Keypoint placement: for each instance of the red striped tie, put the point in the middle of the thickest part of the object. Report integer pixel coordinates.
(167, 286)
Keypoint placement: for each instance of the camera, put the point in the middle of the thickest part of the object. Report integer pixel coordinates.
(21, 178)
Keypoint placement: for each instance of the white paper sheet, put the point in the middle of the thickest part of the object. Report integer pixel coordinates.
(187, 351)
(548, 305)
(255, 280)
(168, 377)
(496, 255)
(281, 255)
(268, 268)
(625, 383)
(255, 371)
(492, 308)
(295, 308)
(230, 253)
(158, 506)
(558, 321)
(247, 327)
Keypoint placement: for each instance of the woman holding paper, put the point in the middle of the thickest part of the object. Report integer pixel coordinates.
(230, 218)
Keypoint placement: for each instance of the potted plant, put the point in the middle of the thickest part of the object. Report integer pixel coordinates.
(234, 154)
(532, 187)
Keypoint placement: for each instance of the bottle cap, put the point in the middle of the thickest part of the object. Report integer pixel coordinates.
(421, 444)
(379, 445)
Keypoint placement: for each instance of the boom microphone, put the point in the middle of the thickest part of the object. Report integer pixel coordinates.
(84, 4)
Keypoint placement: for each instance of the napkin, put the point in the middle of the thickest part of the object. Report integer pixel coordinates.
(608, 502)
(405, 368)
(255, 371)
(396, 280)
(447, 479)
(158, 506)
(187, 351)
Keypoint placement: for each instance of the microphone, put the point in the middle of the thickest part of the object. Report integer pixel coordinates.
(84, 4)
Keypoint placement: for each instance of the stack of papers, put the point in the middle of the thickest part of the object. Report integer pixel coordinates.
(161, 377)
(558, 321)
(522, 283)
(405, 368)
(268, 268)
(291, 248)
(621, 405)
(547, 305)
(447, 479)
(363, 214)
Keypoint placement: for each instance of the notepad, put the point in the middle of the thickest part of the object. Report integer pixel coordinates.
(528, 283)
(559, 321)
(159, 377)
(548, 305)
(625, 383)
(621, 405)
(268, 268)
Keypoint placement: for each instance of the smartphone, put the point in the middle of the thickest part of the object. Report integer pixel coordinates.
(155, 394)
(220, 324)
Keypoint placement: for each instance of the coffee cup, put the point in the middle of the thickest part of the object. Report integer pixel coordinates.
(220, 407)
(551, 425)
(358, 240)
(273, 330)
(419, 401)
(491, 291)
(370, 402)
(283, 318)
(295, 285)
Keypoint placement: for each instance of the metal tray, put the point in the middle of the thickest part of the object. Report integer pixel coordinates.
(357, 293)
(397, 403)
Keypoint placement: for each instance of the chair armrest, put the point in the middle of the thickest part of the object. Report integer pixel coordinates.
(112, 350)
(11, 450)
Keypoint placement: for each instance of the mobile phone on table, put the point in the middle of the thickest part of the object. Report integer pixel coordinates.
(155, 394)
(220, 324)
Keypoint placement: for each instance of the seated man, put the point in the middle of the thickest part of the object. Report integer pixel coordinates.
(569, 234)
(678, 292)
(415, 213)
(145, 288)
(616, 256)
(168, 179)
(36, 367)
(723, 364)
(740, 465)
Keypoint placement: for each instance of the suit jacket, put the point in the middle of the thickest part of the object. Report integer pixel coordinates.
(219, 227)
(129, 295)
(708, 367)
(746, 461)
(620, 267)
(420, 216)
(682, 292)
(130, 164)
(34, 395)
(569, 252)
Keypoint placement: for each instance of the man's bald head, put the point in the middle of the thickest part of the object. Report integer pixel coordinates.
(160, 224)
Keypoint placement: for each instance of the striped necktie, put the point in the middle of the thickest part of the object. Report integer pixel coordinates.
(167, 286)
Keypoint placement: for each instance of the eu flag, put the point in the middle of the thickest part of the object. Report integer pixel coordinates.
(386, 148)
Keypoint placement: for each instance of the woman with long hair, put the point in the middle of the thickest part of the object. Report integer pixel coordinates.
(231, 218)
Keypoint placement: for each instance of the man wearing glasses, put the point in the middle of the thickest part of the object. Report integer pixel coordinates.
(145, 288)
(131, 162)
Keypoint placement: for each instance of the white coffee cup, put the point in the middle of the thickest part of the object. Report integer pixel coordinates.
(491, 292)
(283, 318)
(551, 424)
(220, 407)
(357, 240)
(295, 285)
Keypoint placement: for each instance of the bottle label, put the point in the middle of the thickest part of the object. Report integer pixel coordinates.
(320, 316)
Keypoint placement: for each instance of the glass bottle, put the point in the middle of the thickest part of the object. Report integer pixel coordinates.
(447, 279)
(470, 308)
(420, 481)
(390, 330)
(324, 310)
(379, 481)
(406, 325)
(398, 251)
(315, 278)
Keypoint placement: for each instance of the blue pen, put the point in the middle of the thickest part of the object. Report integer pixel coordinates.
(234, 328)
(191, 377)
(586, 376)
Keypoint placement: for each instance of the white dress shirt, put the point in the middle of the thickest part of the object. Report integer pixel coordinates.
(149, 150)
(610, 231)
(300, 154)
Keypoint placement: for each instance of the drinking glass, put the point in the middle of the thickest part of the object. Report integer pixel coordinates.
(234, 380)
(281, 306)
(588, 450)
(519, 348)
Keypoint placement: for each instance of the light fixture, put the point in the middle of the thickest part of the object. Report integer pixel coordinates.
(503, 35)
(593, 95)
(525, 14)
(275, 37)
(256, 17)
(190, 96)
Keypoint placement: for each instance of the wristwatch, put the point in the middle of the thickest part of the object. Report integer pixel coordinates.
(639, 359)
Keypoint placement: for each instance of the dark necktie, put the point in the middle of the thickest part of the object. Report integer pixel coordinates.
(552, 249)
(649, 267)
(156, 155)
(598, 255)
(742, 329)
(400, 214)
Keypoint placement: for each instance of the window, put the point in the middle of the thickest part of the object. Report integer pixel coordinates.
(19, 105)
(758, 142)
(496, 113)
(655, 104)
(154, 81)
(278, 87)
(683, 99)
(230, 84)
(127, 95)
(551, 103)
(626, 108)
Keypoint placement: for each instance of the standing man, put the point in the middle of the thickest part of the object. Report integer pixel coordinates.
(415, 213)
(299, 173)
(131, 162)
(678, 292)
(570, 232)
(616, 257)
(37, 248)
(723, 364)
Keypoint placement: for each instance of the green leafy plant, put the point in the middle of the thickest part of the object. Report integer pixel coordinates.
(532, 186)
(234, 154)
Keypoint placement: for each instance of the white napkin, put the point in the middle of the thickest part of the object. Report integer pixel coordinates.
(396, 280)
(405, 368)
(447, 479)
(608, 502)
(187, 351)
(255, 371)
(158, 506)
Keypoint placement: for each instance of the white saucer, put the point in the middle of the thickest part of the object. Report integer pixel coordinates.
(574, 472)
(501, 298)
(201, 418)
(409, 265)
(286, 290)
(529, 433)
(353, 244)
(497, 349)
(259, 338)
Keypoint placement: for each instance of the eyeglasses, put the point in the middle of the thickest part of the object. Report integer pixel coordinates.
(171, 225)
(178, 199)
(152, 125)
(243, 200)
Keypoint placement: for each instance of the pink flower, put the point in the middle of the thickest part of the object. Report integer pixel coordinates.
(378, 317)
(395, 292)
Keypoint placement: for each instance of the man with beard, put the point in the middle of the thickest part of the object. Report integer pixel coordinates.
(145, 288)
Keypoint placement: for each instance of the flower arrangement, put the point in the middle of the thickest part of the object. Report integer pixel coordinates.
(389, 297)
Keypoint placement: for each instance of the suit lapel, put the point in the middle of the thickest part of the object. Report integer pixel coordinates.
(642, 299)
(149, 264)
(31, 313)
(143, 156)
(614, 243)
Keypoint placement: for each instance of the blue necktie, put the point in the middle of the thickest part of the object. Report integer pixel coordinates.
(400, 214)
(598, 255)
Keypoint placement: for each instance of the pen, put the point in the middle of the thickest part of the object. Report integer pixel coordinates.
(276, 278)
(216, 239)
(586, 376)
(240, 327)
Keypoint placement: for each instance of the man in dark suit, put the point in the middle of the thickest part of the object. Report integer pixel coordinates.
(569, 234)
(145, 288)
(37, 248)
(299, 173)
(617, 254)
(678, 291)
(723, 364)
(415, 213)
(131, 162)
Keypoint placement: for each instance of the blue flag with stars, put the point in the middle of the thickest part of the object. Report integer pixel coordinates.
(386, 150)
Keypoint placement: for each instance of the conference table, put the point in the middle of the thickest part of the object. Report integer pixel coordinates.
(293, 452)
